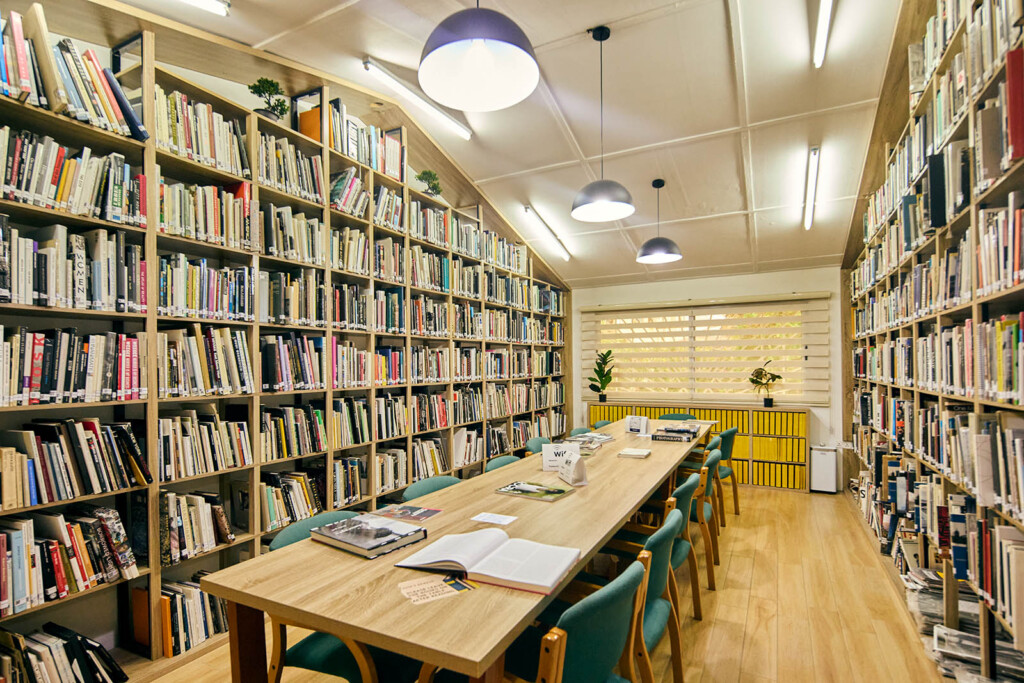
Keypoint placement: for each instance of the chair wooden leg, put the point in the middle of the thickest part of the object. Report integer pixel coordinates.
(691, 560)
(279, 634)
(427, 672)
(643, 658)
(676, 640)
(714, 535)
(720, 500)
(735, 495)
(708, 554)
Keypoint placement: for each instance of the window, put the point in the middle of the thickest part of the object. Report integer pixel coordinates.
(706, 353)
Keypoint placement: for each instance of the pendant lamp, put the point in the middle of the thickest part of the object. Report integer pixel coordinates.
(658, 249)
(478, 60)
(602, 200)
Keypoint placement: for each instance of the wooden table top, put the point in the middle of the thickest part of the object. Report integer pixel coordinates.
(329, 590)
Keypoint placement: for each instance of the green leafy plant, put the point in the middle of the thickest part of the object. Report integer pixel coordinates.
(762, 378)
(430, 179)
(602, 372)
(269, 90)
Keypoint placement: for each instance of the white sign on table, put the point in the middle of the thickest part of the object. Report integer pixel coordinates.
(553, 454)
(573, 470)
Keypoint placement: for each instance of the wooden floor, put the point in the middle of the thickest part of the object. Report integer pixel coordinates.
(802, 596)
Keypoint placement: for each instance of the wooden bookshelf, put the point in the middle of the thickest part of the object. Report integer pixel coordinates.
(165, 44)
(894, 121)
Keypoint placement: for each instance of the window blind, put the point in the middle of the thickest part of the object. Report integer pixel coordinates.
(706, 353)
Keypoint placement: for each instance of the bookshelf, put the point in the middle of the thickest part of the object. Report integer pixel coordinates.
(930, 403)
(521, 319)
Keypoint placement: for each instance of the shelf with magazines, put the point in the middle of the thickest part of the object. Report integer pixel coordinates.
(234, 332)
(937, 311)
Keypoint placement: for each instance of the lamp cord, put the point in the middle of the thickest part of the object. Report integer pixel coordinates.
(658, 195)
(601, 52)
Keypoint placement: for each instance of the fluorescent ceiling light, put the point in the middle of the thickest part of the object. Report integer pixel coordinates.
(551, 238)
(220, 7)
(821, 34)
(812, 186)
(452, 124)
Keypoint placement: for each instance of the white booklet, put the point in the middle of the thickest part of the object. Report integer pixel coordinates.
(490, 556)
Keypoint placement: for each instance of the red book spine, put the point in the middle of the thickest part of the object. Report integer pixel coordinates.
(5, 577)
(58, 570)
(21, 51)
(78, 557)
(1015, 103)
(135, 369)
(142, 286)
(986, 552)
(55, 178)
(36, 381)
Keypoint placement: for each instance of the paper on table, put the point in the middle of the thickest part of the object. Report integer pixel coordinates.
(493, 518)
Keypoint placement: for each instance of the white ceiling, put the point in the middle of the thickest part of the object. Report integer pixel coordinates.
(718, 97)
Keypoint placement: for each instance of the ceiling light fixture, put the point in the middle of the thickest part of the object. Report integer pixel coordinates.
(221, 7)
(450, 123)
(812, 186)
(821, 34)
(658, 250)
(552, 240)
(478, 60)
(602, 200)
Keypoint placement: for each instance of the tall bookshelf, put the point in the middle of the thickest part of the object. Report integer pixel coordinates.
(885, 261)
(150, 44)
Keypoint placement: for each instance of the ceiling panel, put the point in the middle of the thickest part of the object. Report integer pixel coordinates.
(551, 192)
(781, 234)
(600, 254)
(777, 45)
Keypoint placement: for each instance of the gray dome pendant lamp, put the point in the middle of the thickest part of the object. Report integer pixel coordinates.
(478, 60)
(602, 200)
(658, 250)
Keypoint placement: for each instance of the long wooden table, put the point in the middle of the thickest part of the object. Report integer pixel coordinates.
(325, 589)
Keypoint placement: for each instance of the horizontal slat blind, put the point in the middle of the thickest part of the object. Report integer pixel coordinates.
(708, 352)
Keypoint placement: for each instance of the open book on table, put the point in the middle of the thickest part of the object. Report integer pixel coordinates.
(490, 556)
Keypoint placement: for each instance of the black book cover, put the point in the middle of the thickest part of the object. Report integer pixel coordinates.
(67, 426)
(110, 380)
(49, 378)
(49, 577)
(74, 649)
(936, 194)
(120, 270)
(5, 258)
(81, 368)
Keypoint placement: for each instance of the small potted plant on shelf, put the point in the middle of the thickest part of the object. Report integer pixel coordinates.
(433, 183)
(269, 90)
(762, 378)
(602, 375)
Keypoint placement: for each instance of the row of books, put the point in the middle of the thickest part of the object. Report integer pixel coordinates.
(944, 359)
(189, 616)
(389, 310)
(51, 267)
(391, 469)
(40, 171)
(890, 361)
(999, 250)
(63, 366)
(202, 361)
(286, 497)
(430, 365)
(350, 364)
(351, 307)
(293, 431)
(428, 270)
(467, 405)
(389, 260)
(429, 458)
(924, 56)
(215, 214)
(468, 321)
(545, 395)
(350, 251)
(195, 131)
(391, 416)
(498, 442)
(348, 193)
(61, 78)
(285, 167)
(48, 461)
(388, 208)
(428, 317)
(196, 441)
(429, 223)
(292, 362)
(191, 524)
(371, 146)
(467, 447)
(349, 480)
(497, 400)
(293, 298)
(992, 28)
(194, 288)
(351, 422)
(429, 411)
(506, 290)
(65, 655)
(466, 280)
(293, 236)
(48, 556)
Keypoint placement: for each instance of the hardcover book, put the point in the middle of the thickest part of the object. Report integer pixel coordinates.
(368, 535)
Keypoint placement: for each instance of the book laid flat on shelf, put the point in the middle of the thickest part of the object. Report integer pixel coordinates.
(634, 452)
(526, 489)
(490, 556)
(368, 535)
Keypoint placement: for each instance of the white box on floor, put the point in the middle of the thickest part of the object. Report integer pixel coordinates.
(823, 469)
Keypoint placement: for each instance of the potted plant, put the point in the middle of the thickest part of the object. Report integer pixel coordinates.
(269, 90)
(430, 179)
(762, 378)
(602, 375)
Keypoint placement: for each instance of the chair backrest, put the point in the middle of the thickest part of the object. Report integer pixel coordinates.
(728, 437)
(684, 492)
(297, 531)
(578, 431)
(677, 416)
(534, 445)
(601, 423)
(597, 628)
(711, 463)
(660, 545)
(500, 461)
(716, 442)
(428, 485)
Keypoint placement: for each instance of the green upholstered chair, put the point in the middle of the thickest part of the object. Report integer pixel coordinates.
(676, 416)
(322, 652)
(428, 485)
(578, 431)
(588, 639)
(534, 445)
(601, 423)
(726, 471)
(500, 461)
(695, 461)
(702, 511)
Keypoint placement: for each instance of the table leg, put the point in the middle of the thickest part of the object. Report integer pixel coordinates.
(248, 643)
(495, 674)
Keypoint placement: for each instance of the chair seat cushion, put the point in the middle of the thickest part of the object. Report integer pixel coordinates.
(523, 656)
(680, 549)
(693, 512)
(326, 654)
(656, 616)
(724, 472)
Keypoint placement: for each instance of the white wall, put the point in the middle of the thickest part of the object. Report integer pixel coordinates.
(826, 421)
